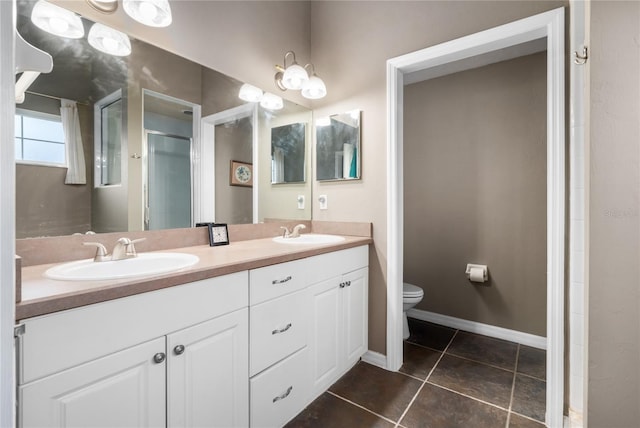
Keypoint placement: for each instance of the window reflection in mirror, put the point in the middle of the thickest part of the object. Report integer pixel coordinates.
(108, 139)
(288, 153)
(338, 147)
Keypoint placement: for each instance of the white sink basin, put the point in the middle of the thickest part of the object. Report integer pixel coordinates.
(143, 264)
(310, 238)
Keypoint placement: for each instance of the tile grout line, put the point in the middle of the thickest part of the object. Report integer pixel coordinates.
(481, 362)
(361, 407)
(513, 386)
(468, 396)
(426, 379)
(542, 424)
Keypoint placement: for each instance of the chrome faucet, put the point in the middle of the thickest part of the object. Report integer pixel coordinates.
(296, 231)
(124, 249)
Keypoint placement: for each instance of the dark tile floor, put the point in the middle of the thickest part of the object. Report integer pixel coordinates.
(450, 378)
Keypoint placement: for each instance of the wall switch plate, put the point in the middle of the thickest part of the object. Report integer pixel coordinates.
(323, 202)
(300, 200)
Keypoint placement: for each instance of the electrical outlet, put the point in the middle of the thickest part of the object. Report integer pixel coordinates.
(323, 202)
(300, 202)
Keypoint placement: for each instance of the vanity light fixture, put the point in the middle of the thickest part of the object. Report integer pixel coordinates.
(108, 40)
(296, 77)
(104, 6)
(57, 20)
(314, 88)
(154, 13)
(250, 93)
(271, 101)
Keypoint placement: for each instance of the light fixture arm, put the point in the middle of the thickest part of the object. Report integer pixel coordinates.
(284, 61)
(313, 69)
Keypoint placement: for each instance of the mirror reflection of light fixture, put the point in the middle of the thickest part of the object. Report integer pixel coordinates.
(250, 93)
(296, 77)
(154, 13)
(108, 40)
(56, 20)
(271, 101)
(104, 6)
(314, 88)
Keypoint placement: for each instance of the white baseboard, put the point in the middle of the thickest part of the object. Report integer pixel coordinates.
(375, 358)
(479, 328)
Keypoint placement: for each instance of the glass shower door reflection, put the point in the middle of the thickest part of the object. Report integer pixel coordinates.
(168, 186)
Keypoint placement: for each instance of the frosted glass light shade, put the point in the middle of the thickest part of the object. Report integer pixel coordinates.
(109, 41)
(314, 88)
(294, 77)
(271, 101)
(57, 20)
(250, 93)
(154, 13)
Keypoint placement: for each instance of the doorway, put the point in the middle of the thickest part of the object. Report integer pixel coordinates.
(540, 32)
(168, 181)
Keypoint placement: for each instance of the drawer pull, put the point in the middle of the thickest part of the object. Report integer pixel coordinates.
(284, 395)
(281, 281)
(281, 330)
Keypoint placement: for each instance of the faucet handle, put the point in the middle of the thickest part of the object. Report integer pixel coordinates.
(285, 232)
(101, 251)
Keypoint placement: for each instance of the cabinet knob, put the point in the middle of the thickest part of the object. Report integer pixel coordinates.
(283, 395)
(348, 283)
(178, 350)
(342, 285)
(159, 357)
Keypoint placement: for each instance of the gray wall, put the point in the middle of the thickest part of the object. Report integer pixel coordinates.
(614, 255)
(45, 205)
(234, 204)
(475, 192)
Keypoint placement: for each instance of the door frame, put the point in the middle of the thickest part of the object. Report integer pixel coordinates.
(206, 156)
(514, 39)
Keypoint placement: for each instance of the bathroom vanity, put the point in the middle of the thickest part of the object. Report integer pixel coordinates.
(231, 342)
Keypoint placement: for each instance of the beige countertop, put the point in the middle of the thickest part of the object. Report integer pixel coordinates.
(41, 295)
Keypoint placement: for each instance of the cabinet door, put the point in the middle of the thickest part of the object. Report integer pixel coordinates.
(208, 373)
(125, 389)
(325, 335)
(356, 309)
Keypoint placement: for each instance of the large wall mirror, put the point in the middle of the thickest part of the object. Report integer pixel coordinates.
(338, 148)
(149, 164)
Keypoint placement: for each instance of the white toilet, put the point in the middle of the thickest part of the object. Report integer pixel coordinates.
(411, 296)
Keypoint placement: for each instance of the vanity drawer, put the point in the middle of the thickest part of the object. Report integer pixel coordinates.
(274, 281)
(277, 328)
(280, 393)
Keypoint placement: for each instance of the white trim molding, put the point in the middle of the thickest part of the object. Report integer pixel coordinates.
(375, 358)
(7, 214)
(542, 30)
(480, 328)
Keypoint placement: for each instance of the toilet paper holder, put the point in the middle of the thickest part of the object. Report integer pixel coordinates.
(483, 268)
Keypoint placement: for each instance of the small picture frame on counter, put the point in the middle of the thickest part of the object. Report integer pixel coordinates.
(218, 233)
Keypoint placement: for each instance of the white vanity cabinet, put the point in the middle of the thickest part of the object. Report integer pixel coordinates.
(307, 314)
(339, 316)
(175, 357)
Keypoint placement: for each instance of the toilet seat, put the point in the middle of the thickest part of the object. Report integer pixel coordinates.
(410, 290)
